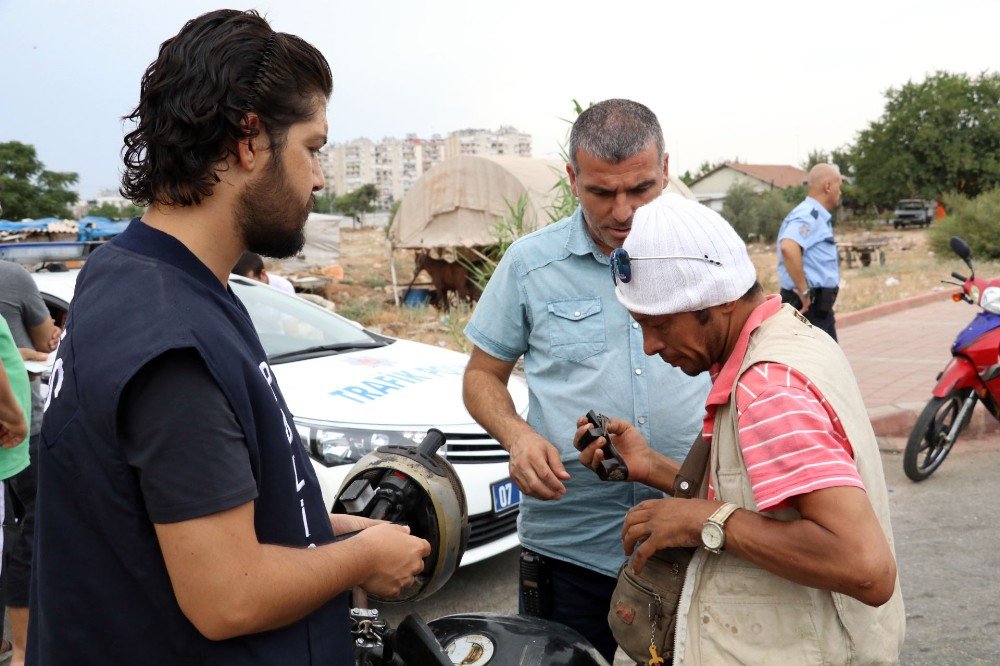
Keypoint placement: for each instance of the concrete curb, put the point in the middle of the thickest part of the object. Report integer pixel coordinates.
(876, 311)
(898, 420)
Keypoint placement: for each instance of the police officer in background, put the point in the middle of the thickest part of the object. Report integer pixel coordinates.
(807, 252)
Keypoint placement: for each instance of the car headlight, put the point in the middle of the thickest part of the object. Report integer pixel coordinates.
(990, 300)
(332, 445)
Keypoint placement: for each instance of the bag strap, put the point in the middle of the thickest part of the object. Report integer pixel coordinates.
(687, 483)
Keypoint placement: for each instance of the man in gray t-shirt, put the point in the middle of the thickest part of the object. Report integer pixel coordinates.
(34, 331)
(30, 324)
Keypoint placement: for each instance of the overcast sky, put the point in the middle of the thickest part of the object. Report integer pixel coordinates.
(762, 81)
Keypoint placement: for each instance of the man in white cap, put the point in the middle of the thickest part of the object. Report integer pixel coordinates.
(551, 302)
(796, 562)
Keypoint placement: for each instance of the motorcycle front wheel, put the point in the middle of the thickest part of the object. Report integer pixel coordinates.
(929, 443)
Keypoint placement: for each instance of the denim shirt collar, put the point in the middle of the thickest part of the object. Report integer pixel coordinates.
(579, 241)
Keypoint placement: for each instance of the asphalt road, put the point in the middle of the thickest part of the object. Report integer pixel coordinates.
(948, 552)
(947, 546)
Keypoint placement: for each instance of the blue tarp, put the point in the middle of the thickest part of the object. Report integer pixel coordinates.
(91, 228)
(10, 225)
(99, 228)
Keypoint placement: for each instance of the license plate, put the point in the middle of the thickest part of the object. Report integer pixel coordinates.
(505, 495)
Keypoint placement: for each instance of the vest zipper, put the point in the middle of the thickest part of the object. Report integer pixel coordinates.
(684, 605)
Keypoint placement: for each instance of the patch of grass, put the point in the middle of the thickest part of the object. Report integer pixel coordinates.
(375, 282)
(364, 312)
(454, 323)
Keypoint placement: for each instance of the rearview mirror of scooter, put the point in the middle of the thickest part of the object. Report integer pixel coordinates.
(961, 248)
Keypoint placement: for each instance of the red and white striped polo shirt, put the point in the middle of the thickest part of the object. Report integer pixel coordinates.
(792, 441)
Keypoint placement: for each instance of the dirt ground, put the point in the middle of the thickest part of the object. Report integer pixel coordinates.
(365, 292)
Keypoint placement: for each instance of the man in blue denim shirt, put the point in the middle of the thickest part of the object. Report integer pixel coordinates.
(551, 300)
(808, 268)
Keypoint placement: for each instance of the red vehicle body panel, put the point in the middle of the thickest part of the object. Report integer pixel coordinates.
(960, 373)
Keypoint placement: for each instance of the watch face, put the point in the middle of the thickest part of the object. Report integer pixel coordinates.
(712, 536)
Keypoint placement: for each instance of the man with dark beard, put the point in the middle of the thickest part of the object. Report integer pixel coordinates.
(178, 516)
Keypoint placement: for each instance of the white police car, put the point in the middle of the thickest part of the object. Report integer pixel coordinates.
(352, 390)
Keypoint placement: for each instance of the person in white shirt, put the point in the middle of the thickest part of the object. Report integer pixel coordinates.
(251, 266)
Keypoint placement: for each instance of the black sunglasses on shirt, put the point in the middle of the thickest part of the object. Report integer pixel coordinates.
(621, 263)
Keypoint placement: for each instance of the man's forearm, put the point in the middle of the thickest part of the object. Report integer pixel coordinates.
(10, 410)
(227, 584)
(490, 404)
(807, 553)
(663, 473)
(43, 336)
(281, 585)
(791, 252)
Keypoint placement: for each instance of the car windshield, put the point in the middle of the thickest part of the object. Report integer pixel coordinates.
(911, 205)
(288, 325)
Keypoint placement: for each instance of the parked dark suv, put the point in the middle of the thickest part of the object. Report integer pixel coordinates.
(915, 212)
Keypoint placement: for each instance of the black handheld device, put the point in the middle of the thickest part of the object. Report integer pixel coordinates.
(536, 584)
(613, 467)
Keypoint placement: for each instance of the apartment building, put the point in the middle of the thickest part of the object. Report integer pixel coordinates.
(394, 165)
(504, 141)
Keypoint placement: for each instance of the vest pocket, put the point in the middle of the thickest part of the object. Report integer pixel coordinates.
(576, 328)
(750, 632)
(745, 614)
(731, 487)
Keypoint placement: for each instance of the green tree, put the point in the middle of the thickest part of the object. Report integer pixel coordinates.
(28, 189)
(353, 204)
(938, 135)
(324, 203)
(113, 212)
(816, 156)
(755, 217)
(706, 167)
(839, 156)
(976, 220)
(393, 209)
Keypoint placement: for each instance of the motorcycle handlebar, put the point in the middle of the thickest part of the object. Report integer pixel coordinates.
(958, 276)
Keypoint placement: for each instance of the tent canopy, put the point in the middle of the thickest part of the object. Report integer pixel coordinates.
(322, 246)
(461, 200)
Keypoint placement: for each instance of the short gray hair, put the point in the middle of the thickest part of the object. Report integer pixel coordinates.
(614, 130)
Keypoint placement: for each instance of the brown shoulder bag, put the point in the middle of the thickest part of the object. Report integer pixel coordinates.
(643, 615)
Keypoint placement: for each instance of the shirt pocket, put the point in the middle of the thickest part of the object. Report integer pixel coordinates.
(576, 328)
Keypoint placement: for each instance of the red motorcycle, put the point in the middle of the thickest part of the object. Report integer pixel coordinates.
(972, 375)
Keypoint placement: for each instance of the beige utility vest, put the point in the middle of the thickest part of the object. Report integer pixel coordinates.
(732, 611)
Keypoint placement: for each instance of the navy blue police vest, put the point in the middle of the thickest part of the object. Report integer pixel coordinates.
(99, 583)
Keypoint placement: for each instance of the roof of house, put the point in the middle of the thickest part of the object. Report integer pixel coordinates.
(778, 175)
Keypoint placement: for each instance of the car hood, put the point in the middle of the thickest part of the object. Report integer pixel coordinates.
(404, 384)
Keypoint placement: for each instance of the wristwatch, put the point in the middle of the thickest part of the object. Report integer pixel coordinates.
(713, 533)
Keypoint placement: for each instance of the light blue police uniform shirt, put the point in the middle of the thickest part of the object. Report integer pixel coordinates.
(810, 225)
(552, 299)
